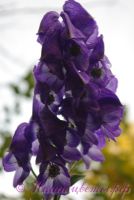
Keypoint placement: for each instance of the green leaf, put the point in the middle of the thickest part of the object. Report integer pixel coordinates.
(5, 145)
(28, 79)
(15, 89)
(76, 178)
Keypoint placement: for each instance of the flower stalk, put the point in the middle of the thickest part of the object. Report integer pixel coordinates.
(75, 106)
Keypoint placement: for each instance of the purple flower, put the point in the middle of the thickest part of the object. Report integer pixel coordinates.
(53, 178)
(94, 153)
(49, 74)
(101, 75)
(51, 131)
(80, 18)
(75, 71)
(75, 108)
(111, 114)
(18, 157)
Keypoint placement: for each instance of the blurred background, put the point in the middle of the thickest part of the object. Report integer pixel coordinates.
(19, 52)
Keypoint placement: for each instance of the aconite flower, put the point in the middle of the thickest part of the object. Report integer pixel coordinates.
(18, 157)
(75, 108)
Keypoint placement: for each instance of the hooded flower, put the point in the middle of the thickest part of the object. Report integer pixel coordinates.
(18, 157)
(80, 18)
(75, 108)
(54, 178)
(111, 115)
(50, 131)
(94, 153)
(101, 75)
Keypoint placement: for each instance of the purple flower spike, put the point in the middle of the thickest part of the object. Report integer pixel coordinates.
(75, 108)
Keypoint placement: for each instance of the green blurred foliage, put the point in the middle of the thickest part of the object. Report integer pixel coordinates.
(29, 83)
(31, 191)
(5, 136)
(117, 171)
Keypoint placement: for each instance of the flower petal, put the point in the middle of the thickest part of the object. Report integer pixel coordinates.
(73, 31)
(71, 154)
(61, 184)
(95, 154)
(101, 138)
(20, 176)
(48, 186)
(42, 73)
(79, 17)
(72, 138)
(98, 51)
(35, 147)
(9, 162)
(47, 22)
(87, 160)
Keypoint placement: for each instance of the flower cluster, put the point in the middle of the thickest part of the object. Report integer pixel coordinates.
(75, 108)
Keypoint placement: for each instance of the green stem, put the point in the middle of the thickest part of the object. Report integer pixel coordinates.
(72, 167)
(56, 197)
(33, 173)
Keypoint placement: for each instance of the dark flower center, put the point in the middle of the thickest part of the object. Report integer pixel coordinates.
(74, 49)
(96, 72)
(50, 99)
(54, 170)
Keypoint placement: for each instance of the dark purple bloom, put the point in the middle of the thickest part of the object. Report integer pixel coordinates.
(50, 74)
(101, 75)
(111, 114)
(18, 158)
(75, 108)
(94, 153)
(80, 18)
(53, 178)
